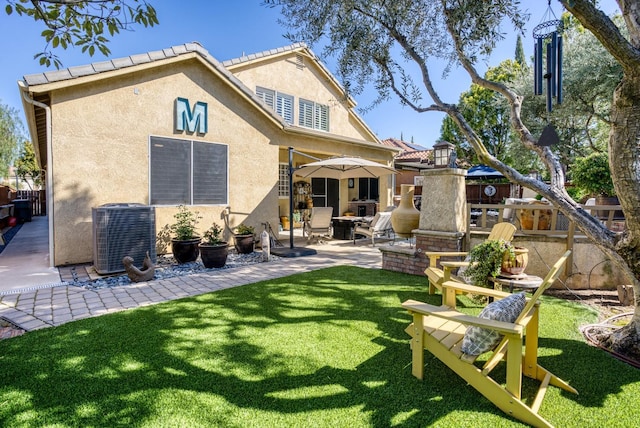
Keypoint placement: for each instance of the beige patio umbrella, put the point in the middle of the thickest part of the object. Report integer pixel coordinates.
(343, 167)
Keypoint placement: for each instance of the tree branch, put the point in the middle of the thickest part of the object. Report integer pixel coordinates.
(606, 31)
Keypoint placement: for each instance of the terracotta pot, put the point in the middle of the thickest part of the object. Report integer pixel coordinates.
(185, 251)
(518, 265)
(285, 223)
(214, 256)
(527, 218)
(406, 216)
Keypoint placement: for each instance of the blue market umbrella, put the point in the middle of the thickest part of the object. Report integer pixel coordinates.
(483, 172)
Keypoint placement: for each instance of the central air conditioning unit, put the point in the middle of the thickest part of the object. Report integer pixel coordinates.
(121, 230)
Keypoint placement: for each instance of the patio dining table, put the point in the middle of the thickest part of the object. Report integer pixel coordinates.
(343, 226)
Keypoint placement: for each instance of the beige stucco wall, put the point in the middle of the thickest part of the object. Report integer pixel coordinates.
(101, 150)
(100, 144)
(282, 74)
(590, 268)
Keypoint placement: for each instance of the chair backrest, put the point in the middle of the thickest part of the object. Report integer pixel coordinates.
(503, 230)
(590, 202)
(551, 277)
(321, 217)
(383, 222)
(374, 221)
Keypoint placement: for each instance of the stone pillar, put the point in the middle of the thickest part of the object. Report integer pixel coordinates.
(442, 226)
(444, 200)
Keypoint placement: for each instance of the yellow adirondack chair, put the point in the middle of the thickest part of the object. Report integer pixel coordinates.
(437, 276)
(440, 330)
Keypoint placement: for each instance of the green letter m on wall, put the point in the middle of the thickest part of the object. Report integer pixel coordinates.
(192, 121)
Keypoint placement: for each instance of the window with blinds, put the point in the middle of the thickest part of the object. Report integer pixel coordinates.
(281, 103)
(187, 172)
(313, 115)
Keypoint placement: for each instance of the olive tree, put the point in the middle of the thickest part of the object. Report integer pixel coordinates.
(10, 136)
(84, 23)
(385, 43)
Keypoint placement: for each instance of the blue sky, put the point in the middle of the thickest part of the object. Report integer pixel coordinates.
(228, 30)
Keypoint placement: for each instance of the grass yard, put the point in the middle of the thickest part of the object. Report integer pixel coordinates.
(319, 349)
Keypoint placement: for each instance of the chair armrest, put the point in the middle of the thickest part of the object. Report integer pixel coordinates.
(454, 265)
(447, 313)
(467, 288)
(439, 254)
(434, 256)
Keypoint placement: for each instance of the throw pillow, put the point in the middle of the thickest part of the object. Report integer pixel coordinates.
(477, 339)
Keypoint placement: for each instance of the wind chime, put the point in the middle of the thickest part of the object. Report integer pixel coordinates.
(548, 40)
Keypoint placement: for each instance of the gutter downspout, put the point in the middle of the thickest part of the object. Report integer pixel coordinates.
(49, 187)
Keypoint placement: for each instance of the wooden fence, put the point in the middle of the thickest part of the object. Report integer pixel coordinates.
(539, 219)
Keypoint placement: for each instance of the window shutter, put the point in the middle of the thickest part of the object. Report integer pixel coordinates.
(321, 117)
(285, 107)
(170, 171)
(210, 173)
(305, 117)
(266, 95)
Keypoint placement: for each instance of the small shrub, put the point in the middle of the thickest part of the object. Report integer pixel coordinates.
(185, 226)
(486, 261)
(213, 235)
(243, 229)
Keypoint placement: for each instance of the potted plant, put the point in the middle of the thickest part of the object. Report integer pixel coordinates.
(213, 249)
(485, 261)
(184, 245)
(244, 238)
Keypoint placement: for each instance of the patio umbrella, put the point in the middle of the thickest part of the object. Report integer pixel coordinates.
(483, 172)
(344, 167)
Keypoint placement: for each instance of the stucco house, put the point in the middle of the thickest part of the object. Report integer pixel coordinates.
(177, 126)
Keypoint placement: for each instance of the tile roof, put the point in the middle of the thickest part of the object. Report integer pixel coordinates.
(264, 54)
(403, 145)
(416, 156)
(118, 63)
(175, 51)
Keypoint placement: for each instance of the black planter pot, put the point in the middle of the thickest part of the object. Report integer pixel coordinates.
(214, 256)
(185, 251)
(244, 243)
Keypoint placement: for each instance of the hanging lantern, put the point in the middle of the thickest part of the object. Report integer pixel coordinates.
(548, 37)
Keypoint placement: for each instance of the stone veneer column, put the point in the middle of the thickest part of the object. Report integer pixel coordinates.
(442, 222)
(444, 200)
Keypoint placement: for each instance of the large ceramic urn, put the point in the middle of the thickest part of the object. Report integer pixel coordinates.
(406, 216)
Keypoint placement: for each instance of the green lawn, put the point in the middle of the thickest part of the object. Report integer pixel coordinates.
(320, 349)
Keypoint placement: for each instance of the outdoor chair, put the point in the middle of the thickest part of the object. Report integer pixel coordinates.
(319, 223)
(503, 230)
(458, 340)
(379, 226)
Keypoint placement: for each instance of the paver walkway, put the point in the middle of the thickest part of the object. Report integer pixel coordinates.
(47, 306)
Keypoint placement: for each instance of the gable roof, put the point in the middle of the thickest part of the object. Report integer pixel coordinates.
(234, 63)
(37, 86)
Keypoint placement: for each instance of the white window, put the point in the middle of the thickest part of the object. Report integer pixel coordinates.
(281, 103)
(313, 115)
(283, 180)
